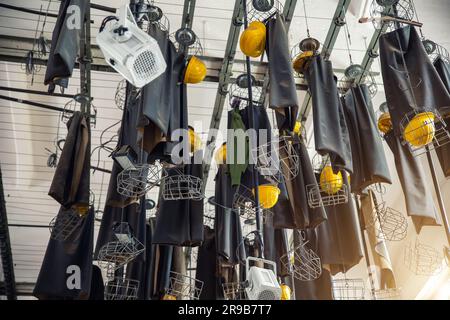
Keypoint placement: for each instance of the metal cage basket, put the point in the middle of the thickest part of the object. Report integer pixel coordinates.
(317, 197)
(388, 294)
(121, 289)
(180, 186)
(388, 223)
(262, 10)
(304, 263)
(234, 290)
(63, 225)
(137, 181)
(244, 203)
(75, 104)
(122, 251)
(182, 287)
(238, 93)
(422, 259)
(186, 38)
(436, 51)
(423, 130)
(302, 54)
(404, 9)
(355, 73)
(278, 160)
(149, 14)
(348, 289)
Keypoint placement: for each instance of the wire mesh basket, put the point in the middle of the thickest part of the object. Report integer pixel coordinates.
(262, 10)
(302, 54)
(348, 289)
(121, 94)
(436, 51)
(423, 130)
(388, 294)
(182, 287)
(121, 289)
(148, 14)
(75, 104)
(387, 223)
(175, 185)
(138, 180)
(319, 197)
(356, 74)
(422, 260)
(304, 263)
(244, 203)
(122, 251)
(277, 160)
(234, 290)
(403, 9)
(186, 38)
(238, 93)
(63, 225)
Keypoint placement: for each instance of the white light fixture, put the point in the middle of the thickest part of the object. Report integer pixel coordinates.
(262, 283)
(129, 50)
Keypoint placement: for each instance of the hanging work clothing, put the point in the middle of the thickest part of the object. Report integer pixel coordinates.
(164, 101)
(68, 262)
(403, 57)
(419, 200)
(304, 216)
(70, 184)
(443, 152)
(128, 136)
(97, 284)
(207, 268)
(282, 91)
(187, 214)
(227, 224)
(369, 161)
(339, 237)
(378, 246)
(133, 214)
(320, 288)
(283, 213)
(331, 135)
(235, 167)
(275, 245)
(65, 44)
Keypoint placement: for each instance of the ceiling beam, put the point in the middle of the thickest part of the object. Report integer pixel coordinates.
(336, 24)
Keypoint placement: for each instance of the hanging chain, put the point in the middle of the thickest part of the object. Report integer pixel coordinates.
(348, 41)
(306, 19)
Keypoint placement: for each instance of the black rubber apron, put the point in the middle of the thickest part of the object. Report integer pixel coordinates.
(70, 184)
(77, 251)
(65, 45)
(303, 216)
(282, 92)
(443, 152)
(330, 130)
(418, 197)
(180, 222)
(369, 161)
(402, 53)
(227, 224)
(339, 237)
(321, 288)
(164, 102)
(275, 245)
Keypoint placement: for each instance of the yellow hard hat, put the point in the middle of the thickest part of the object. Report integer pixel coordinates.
(169, 297)
(221, 154)
(420, 130)
(285, 292)
(268, 195)
(195, 71)
(194, 140)
(301, 61)
(330, 182)
(298, 127)
(385, 122)
(253, 39)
